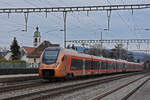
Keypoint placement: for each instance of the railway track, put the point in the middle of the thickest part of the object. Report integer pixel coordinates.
(114, 92)
(52, 92)
(18, 78)
(30, 83)
(134, 90)
(22, 85)
(7, 87)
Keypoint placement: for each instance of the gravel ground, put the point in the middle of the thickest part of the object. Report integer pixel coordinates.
(89, 93)
(118, 95)
(143, 93)
(77, 95)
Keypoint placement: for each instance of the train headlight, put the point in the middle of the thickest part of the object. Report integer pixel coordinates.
(56, 64)
(39, 65)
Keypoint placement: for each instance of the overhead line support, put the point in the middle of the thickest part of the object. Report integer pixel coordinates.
(111, 41)
(77, 8)
(65, 31)
(26, 20)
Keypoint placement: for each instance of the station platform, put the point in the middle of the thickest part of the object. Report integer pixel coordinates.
(17, 77)
(143, 93)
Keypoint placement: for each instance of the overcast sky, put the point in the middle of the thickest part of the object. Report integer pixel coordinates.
(124, 25)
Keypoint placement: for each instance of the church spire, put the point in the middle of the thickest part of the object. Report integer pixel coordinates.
(36, 37)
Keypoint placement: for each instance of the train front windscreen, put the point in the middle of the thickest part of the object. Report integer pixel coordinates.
(50, 56)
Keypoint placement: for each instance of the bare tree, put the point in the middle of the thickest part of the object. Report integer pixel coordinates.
(118, 52)
(4, 48)
(97, 50)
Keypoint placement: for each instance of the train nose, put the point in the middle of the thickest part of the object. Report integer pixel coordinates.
(48, 73)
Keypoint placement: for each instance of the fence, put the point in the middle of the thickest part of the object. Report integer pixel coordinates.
(17, 65)
(18, 68)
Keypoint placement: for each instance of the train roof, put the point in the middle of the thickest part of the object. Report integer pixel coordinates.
(72, 52)
(75, 53)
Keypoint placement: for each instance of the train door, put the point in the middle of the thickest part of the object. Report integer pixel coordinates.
(83, 72)
(92, 67)
(123, 68)
(65, 63)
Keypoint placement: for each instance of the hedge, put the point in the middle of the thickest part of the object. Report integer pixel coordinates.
(12, 61)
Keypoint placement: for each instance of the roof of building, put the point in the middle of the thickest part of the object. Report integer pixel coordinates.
(35, 52)
(28, 49)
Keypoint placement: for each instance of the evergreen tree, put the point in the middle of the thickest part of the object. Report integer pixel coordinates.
(15, 49)
(68, 46)
(73, 47)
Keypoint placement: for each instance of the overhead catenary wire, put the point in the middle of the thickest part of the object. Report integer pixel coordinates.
(79, 21)
(125, 21)
(121, 18)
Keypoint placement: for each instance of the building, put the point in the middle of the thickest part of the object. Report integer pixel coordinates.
(32, 54)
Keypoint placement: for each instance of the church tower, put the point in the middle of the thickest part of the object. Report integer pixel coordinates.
(36, 37)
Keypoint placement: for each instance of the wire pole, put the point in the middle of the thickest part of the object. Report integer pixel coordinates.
(26, 20)
(65, 17)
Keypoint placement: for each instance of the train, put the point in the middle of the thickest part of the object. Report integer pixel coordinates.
(57, 62)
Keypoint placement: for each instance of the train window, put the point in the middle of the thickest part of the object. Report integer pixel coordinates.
(116, 66)
(104, 65)
(95, 65)
(76, 64)
(128, 66)
(50, 56)
(125, 66)
(88, 65)
(92, 65)
(109, 65)
(120, 66)
(99, 67)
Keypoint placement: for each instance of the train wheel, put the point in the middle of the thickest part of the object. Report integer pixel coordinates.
(72, 76)
(69, 76)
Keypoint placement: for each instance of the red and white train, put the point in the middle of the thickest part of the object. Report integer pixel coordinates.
(59, 62)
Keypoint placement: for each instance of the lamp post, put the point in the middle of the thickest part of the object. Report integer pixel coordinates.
(65, 27)
(101, 38)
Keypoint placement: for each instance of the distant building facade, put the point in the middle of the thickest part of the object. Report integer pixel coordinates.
(32, 54)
